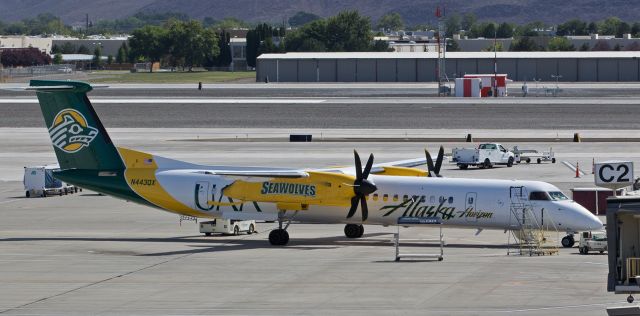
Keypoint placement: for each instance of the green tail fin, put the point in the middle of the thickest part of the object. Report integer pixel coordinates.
(79, 138)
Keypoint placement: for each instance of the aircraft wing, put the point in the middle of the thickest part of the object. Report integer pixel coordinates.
(289, 174)
(379, 167)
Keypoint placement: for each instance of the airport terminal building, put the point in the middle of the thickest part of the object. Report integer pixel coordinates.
(573, 66)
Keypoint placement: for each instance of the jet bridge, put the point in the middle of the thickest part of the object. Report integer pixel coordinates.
(623, 242)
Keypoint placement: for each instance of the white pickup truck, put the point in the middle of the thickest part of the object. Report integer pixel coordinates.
(485, 156)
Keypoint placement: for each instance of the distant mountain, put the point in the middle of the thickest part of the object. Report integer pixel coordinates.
(413, 11)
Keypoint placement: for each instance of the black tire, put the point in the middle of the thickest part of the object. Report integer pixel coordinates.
(487, 163)
(352, 230)
(463, 167)
(510, 162)
(601, 251)
(44, 193)
(28, 194)
(361, 230)
(236, 230)
(278, 237)
(80, 189)
(251, 230)
(567, 241)
(207, 234)
(75, 190)
(585, 250)
(539, 160)
(528, 160)
(553, 160)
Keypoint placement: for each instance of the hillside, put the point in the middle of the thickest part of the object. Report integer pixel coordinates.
(413, 11)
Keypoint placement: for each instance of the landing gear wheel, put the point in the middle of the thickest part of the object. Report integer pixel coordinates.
(353, 230)
(279, 237)
(510, 162)
(630, 299)
(567, 241)
(251, 230)
(463, 167)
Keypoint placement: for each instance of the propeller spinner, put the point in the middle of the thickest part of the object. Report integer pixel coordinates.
(434, 170)
(361, 187)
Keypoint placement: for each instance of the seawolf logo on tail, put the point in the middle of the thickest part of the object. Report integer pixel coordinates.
(70, 131)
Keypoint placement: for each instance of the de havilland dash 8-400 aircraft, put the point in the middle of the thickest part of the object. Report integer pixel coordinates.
(381, 192)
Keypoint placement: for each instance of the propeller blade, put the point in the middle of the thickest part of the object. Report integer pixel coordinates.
(439, 161)
(367, 167)
(358, 165)
(430, 167)
(364, 208)
(354, 206)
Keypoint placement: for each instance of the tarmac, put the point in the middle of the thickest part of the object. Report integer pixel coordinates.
(90, 254)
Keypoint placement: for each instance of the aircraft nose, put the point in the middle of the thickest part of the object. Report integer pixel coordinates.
(589, 221)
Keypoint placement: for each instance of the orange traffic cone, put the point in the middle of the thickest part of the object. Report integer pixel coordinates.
(577, 170)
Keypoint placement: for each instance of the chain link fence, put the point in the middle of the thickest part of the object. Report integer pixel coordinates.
(8, 74)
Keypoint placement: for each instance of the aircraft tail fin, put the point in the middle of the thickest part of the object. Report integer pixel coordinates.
(79, 139)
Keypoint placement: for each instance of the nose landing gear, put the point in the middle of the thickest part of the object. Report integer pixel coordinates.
(280, 236)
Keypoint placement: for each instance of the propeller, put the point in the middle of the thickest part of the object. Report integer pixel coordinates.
(434, 170)
(361, 187)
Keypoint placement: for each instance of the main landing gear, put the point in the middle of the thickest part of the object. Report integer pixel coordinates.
(280, 236)
(353, 230)
(568, 241)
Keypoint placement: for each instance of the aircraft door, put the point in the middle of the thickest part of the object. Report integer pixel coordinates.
(470, 206)
(201, 196)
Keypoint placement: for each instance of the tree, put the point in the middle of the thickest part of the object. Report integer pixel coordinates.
(560, 44)
(623, 28)
(121, 56)
(191, 44)
(16, 57)
(56, 49)
(601, 45)
(109, 59)
(223, 59)
(57, 58)
(68, 48)
(635, 29)
(348, 32)
(380, 46)
(498, 47)
(452, 46)
(83, 50)
(489, 30)
(592, 28)
(609, 26)
(301, 18)
(524, 44)
(452, 25)
(148, 43)
(468, 20)
(256, 36)
(97, 57)
(505, 30)
(230, 23)
(572, 27)
(391, 21)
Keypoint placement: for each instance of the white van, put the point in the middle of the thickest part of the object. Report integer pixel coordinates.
(39, 181)
(227, 227)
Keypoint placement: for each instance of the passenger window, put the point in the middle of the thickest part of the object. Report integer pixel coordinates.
(385, 197)
(375, 197)
(451, 200)
(432, 199)
(538, 196)
(395, 197)
(405, 198)
(423, 199)
(470, 200)
(442, 199)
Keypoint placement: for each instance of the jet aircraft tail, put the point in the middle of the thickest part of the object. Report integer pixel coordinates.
(79, 139)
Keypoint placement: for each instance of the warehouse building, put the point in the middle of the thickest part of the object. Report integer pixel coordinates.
(607, 66)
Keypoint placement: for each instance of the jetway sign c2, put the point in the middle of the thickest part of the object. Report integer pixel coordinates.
(613, 174)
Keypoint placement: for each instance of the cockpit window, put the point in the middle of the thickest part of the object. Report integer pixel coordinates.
(538, 196)
(558, 196)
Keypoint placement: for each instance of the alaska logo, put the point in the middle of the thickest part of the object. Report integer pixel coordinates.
(70, 131)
